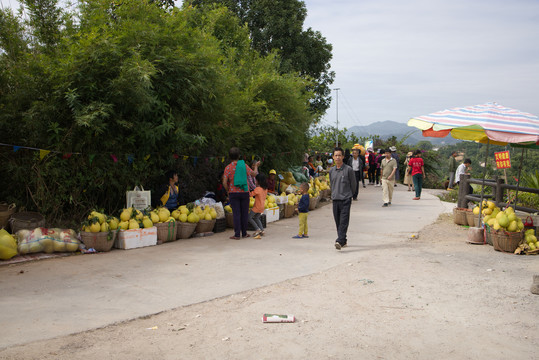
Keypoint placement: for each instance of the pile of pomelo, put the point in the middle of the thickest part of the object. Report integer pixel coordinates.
(498, 219)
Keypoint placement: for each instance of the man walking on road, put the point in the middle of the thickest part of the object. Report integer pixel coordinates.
(389, 167)
(343, 186)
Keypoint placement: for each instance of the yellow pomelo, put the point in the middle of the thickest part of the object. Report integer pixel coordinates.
(104, 227)
(503, 220)
(146, 222)
(95, 227)
(154, 217)
(207, 217)
(491, 204)
(124, 225)
(496, 226)
(290, 203)
(213, 214)
(126, 214)
(228, 209)
(164, 214)
(113, 224)
(512, 216)
(183, 217)
(491, 222)
(513, 226)
(476, 210)
(176, 214)
(192, 218)
(509, 209)
(184, 210)
(133, 224)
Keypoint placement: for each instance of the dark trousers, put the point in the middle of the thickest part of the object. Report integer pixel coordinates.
(239, 202)
(378, 172)
(418, 184)
(371, 172)
(358, 178)
(341, 214)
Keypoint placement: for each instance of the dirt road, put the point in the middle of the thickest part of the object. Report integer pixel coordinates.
(429, 297)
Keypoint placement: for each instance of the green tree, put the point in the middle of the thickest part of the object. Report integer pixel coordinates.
(324, 138)
(144, 86)
(277, 25)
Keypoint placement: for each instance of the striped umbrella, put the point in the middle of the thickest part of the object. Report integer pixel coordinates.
(486, 123)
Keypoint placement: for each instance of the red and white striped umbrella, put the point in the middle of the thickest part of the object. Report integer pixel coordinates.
(490, 122)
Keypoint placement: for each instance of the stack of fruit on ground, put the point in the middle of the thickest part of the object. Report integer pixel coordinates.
(314, 195)
(165, 223)
(505, 227)
(530, 245)
(99, 230)
(194, 218)
(290, 206)
(500, 220)
(321, 185)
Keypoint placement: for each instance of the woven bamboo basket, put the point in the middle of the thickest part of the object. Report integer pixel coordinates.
(185, 230)
(472, 219)
(289, 210)
(459, 216)
(229, 220)
(313, 202)
(204, 226)
(5, 213)
(26, 220)
(166, 231)
(100, 241)
(488, 237)
(506, 241)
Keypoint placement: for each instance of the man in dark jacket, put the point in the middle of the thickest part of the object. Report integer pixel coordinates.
(343, 186)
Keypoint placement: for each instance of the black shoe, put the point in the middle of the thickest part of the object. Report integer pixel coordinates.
(385, 205)
(395, 185)
(364, 186)
(389, 203)
(345, 245)
(355, 199)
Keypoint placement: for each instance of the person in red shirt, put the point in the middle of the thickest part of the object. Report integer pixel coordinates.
(238, 195)
(418, 173)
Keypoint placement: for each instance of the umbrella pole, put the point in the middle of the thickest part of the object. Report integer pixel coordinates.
(483, 184)
(519, 171)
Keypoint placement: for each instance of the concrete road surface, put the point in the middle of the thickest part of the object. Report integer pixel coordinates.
(55, 297)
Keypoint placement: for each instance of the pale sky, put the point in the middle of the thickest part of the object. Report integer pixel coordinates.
(396, 59)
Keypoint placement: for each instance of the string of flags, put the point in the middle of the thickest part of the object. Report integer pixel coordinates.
(130, 158)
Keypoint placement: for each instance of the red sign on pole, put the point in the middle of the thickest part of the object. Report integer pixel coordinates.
(502, 160)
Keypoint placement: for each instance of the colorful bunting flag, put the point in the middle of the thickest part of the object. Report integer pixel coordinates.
(43, 153)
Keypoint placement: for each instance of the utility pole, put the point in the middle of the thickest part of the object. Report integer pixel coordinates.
(337, 108)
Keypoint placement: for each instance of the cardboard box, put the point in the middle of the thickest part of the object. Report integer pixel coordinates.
(136, 238)
(272, 214)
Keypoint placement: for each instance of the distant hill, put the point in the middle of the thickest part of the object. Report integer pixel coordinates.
(388, 128)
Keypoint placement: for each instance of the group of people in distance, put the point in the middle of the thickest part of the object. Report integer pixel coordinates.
(345, 176)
